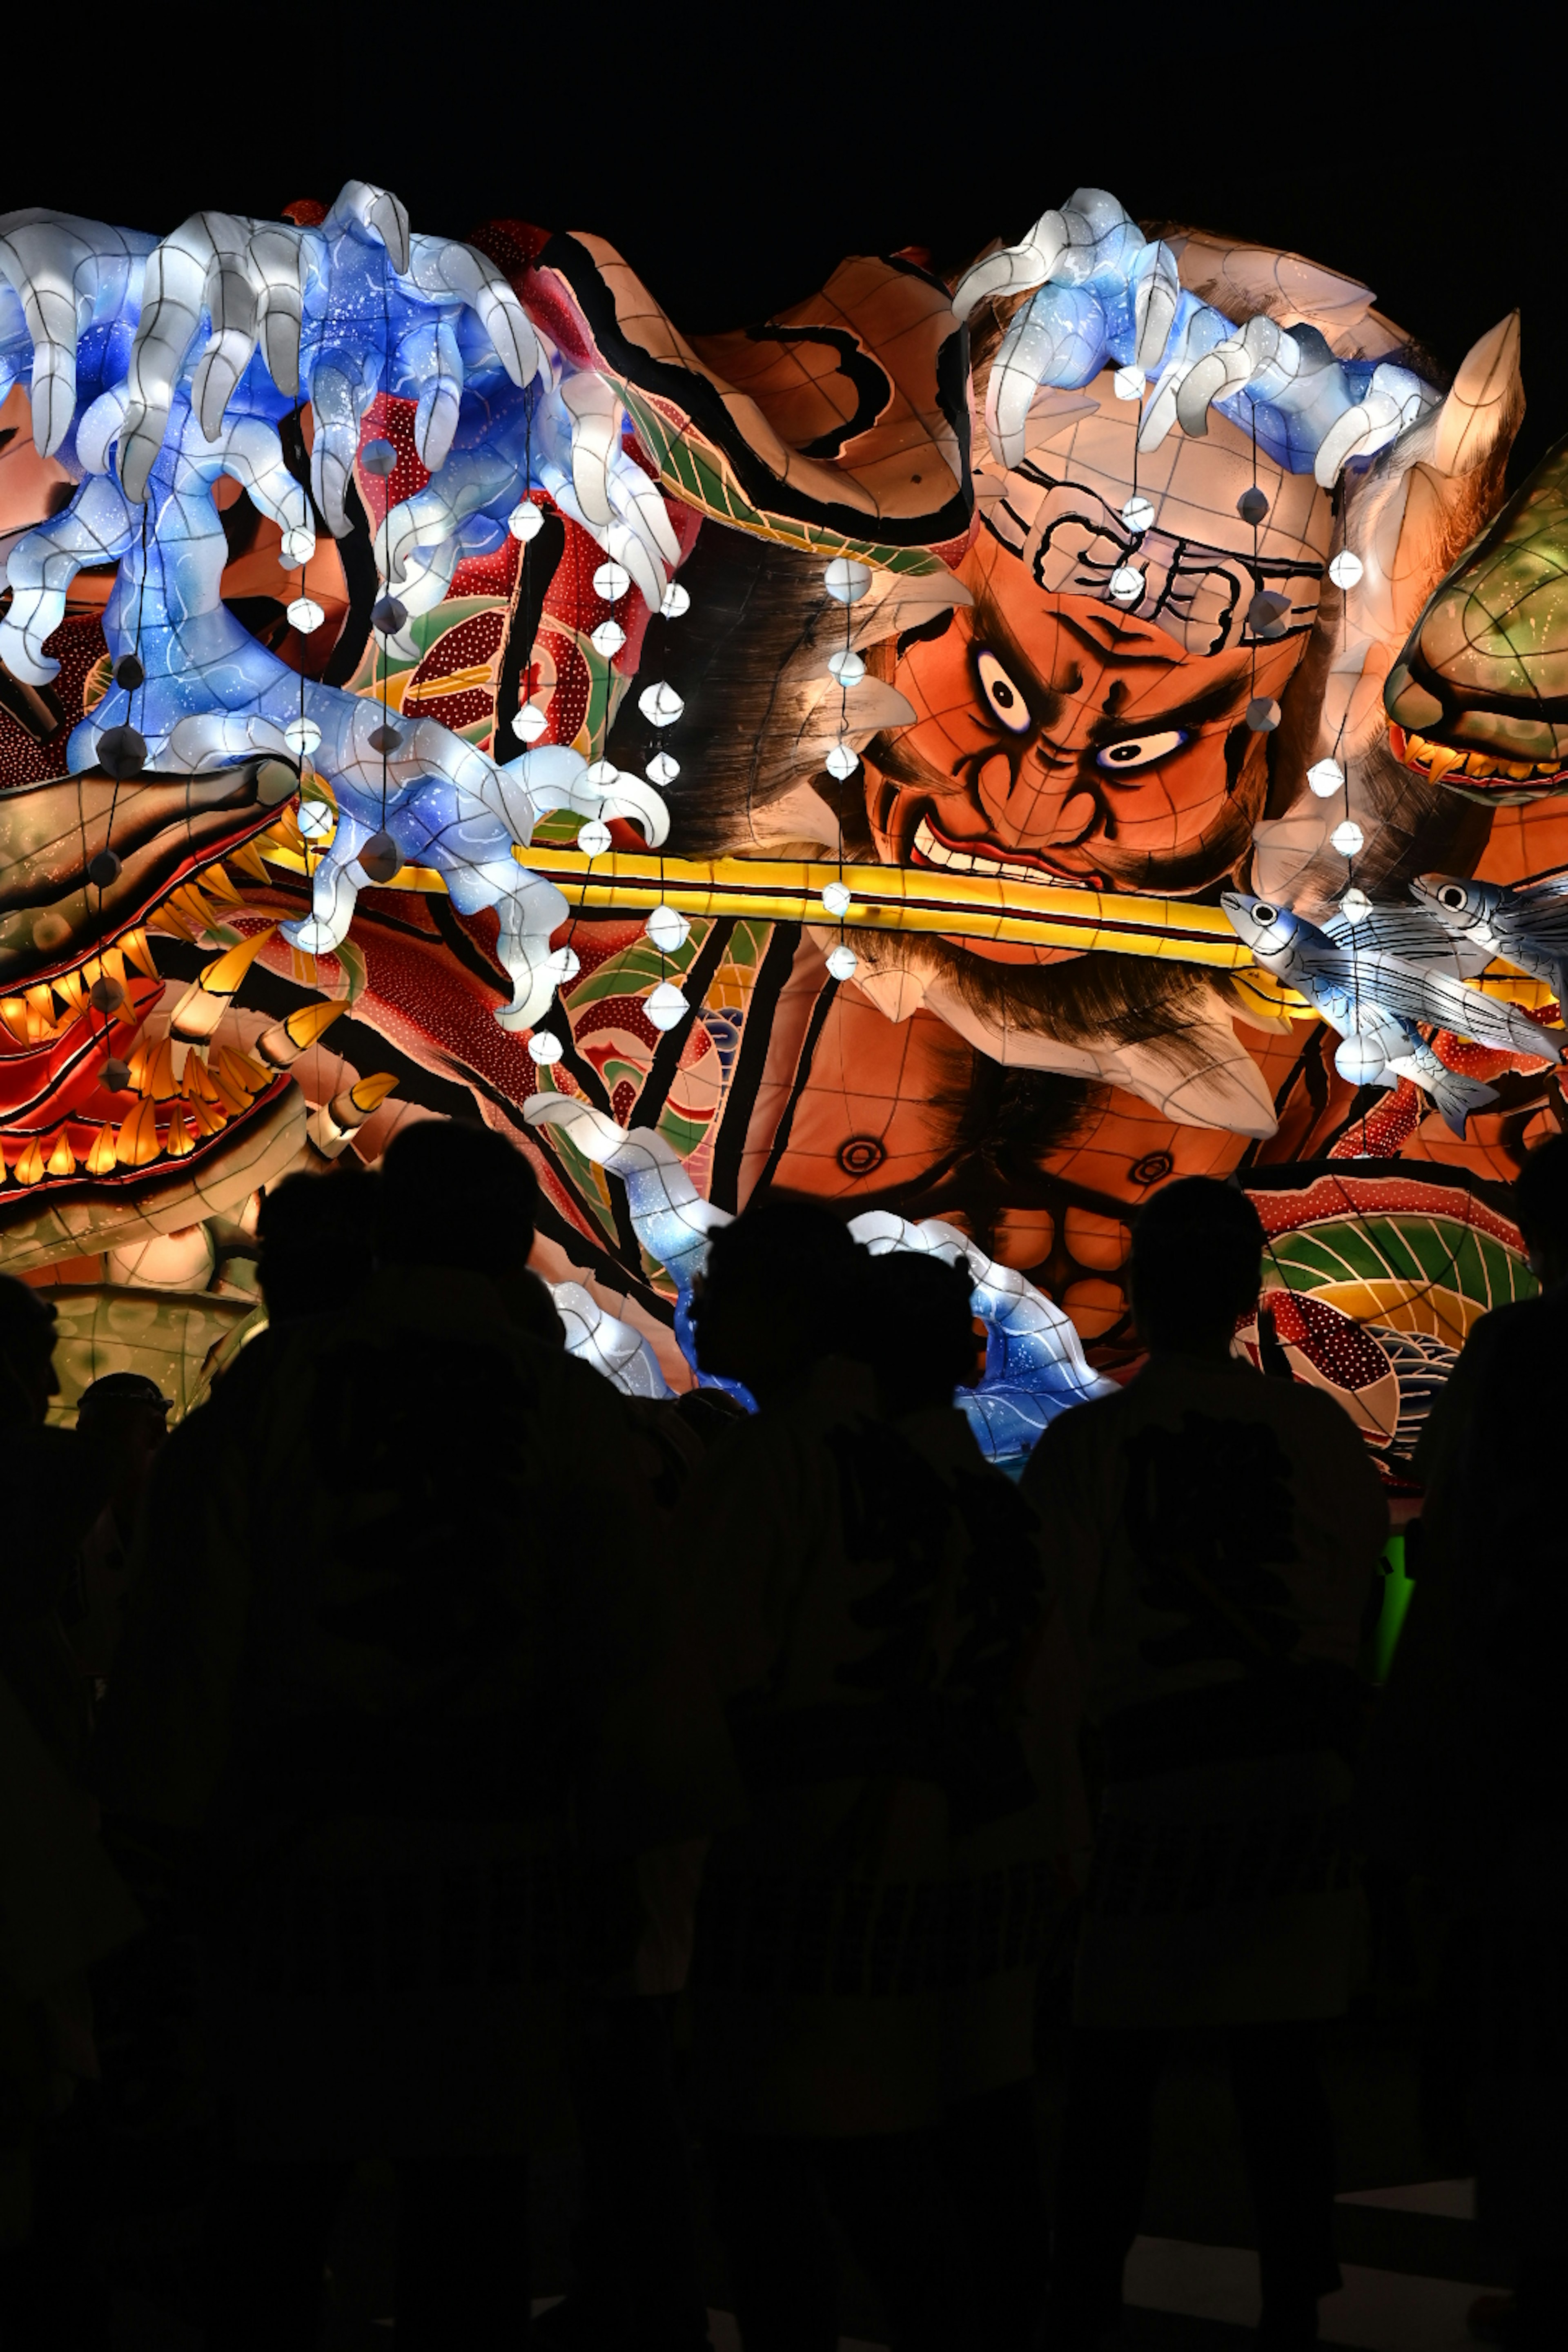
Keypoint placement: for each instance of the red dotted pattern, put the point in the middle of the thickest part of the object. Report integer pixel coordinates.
(476, 641)
(76, 645)
(625, 1012)
(1331, 1343)
(1374, 1196)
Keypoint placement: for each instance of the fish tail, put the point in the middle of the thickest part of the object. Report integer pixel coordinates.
(1456, 1096)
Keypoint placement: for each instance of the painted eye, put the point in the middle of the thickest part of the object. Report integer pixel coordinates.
(1262, 914)
(1141, 751)
(1005, 699)
(1451, 896)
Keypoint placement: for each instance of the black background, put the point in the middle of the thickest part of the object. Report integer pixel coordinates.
(735, 156)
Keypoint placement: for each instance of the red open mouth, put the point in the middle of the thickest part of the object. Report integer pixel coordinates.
(933, 847)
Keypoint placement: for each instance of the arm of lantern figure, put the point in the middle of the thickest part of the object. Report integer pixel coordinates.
(335, 891)
(67, 275)
(670, 1217)
(94, 529)
(253, 457)
(554, 776)
(473, 479)
(613, 1348)
(1035, 1363)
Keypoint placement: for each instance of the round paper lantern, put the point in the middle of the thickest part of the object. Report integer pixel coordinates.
(842, 762)
(1326, 778)
(302, 737)
(525, 522)
(843, 963)
(836, 898)
(1129, 383)
(1263, 714)
(594, 838)
(1138, 514)
(847, 666)
(565, 964)
(545, 1046)
(661, 769)
(129, 673)
(103, 868)
(121, 753)
(379, 457)
(316, 820)
(666, 929)
(608, 639)
(388, 614)
(381, 858)
(1348, 838)
(1127, 583)
(1355, 905)
(611, 581)
(306, 616)
(675, 601)
(1360, 1059)
(665, 1006)
(660, 704)
(1346, 569)
(847, 581)
(530, 723)
(116, 1074)
(1252, 506)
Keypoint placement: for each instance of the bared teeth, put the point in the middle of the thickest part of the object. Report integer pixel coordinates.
(933, 852)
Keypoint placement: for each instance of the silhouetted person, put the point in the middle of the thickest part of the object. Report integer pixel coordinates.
(1468, 1778)
(1220, 1531)
(317, 1237)
(414, 1690)
(61, 1905)
(122, 1421)
(832, 1569)
(1018, 1839)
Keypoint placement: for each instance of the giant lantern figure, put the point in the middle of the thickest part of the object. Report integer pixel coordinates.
(968, 752)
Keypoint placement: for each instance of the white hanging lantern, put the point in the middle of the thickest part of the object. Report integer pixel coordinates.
(316, 820)
(1326, 778)
(608, 639)
(530, 723)
(545, 1046)
(842, 762)
(1360, 1059)
(565, 966)
(1263, 714)
(603, 776)
(1348, 838)
(1356, 906)
(847, 581)
(836, 898)
(1129, 383)
(299, 545)
(665, 1006)
(847, 666)
(843, 963)
(525, 522)
(594, 838)
(675, 601)
(1346, 569)
(1127, 583)
(1138, 514)
(659, 704)
(668, 929)
(661, 769)
(306, 616)
(302, 737)
(611, 581)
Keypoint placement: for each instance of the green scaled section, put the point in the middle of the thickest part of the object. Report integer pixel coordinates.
(1484, 674)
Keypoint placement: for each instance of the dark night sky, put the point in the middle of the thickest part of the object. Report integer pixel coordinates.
(733, 178)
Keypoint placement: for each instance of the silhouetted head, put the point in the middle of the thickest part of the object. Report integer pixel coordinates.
(782, 1289)
(919, 1329)
(456, 1195)
(28, 1376)
(1541, 1205)
(124, 1419)
(1198, 1252)
(318, 1236)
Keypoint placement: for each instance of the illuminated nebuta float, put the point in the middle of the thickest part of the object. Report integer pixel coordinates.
(967, 752)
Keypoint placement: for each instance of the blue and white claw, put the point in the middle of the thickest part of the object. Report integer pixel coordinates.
(1035, 1363)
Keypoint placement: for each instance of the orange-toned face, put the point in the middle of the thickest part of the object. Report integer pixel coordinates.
(1066, 734)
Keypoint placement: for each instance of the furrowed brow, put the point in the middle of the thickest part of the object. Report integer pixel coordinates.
(1217, 701)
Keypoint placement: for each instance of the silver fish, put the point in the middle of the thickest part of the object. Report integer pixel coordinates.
(1350, 983)
(1528, 928)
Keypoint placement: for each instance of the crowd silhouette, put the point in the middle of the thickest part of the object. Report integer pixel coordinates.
(425, 1755)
